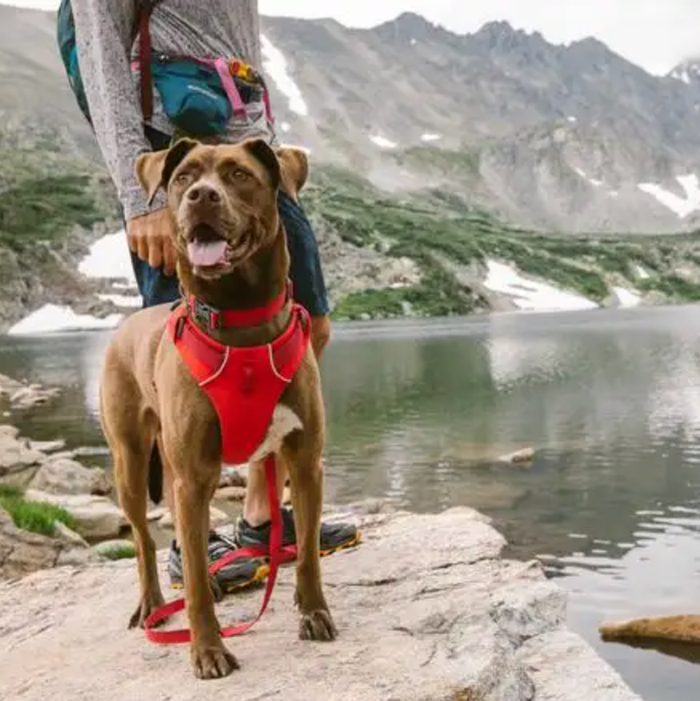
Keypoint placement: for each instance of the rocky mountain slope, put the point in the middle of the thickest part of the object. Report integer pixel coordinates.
(554, 137)
(435, 158)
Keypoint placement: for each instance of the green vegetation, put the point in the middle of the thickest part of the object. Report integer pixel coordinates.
(122, 552)
(435, 227)
(32, 515)
(447, 162)
(45, 208)
(674, 287)
(46, 190)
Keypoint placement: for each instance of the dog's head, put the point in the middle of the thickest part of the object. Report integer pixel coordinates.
(223, 198)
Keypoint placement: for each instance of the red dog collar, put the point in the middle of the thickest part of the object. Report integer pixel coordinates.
(217, 319)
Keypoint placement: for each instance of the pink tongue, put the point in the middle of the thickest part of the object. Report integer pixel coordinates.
(206, 254)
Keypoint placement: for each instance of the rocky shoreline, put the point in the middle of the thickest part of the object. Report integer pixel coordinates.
(45, 474)
(426, 606)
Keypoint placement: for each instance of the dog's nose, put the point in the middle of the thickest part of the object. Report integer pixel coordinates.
(203, 193)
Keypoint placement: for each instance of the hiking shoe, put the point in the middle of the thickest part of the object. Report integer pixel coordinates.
(334, 536)
(235, 576)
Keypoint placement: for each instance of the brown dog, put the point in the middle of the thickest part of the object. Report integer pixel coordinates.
(223, 199)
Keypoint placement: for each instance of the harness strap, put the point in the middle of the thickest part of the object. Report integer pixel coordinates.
(222, 68)
(277, 554)
(145, 60)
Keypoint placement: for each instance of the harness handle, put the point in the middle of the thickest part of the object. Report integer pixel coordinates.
(277, 554)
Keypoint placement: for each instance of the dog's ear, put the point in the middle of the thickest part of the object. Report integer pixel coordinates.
(294, 164)
(154, 170)
(259, 149)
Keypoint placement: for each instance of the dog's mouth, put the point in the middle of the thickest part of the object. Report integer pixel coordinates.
(209, 251)
(206, 247)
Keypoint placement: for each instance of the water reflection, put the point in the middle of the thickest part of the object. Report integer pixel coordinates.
(420, 412)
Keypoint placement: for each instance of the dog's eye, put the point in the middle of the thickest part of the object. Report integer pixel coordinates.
(239, 174)
(183, 178)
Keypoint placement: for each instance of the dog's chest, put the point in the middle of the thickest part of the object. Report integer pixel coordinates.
(244, 385)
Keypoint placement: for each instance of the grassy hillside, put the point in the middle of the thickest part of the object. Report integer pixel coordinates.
(434, 228)
(50, 199)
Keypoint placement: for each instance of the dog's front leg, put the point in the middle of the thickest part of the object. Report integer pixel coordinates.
(306, 473)
(210, 658)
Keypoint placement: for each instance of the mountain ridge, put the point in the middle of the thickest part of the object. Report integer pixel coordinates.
(516, 102)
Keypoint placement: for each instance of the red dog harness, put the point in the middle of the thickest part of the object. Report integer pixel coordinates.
(244, 386)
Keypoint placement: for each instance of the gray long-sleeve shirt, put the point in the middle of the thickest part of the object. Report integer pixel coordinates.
(210, 28)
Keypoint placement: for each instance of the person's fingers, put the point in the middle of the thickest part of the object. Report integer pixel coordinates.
(169, 256)
(142, 246)
(155, 251)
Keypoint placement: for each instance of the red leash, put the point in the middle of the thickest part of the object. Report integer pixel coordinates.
(277, 554)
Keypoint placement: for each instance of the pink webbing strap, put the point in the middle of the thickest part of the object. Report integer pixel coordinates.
(278, 555)
(221, 65)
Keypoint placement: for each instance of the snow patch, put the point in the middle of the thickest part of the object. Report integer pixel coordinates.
(382, 142)
(275, 64)
(54, 319)
(109, 257)
(530, 295)
(592, 181)
(680, 206)
(572, 119)
(626, 298)
(641, 273)
(431, 137)
(682, 75)
(286, 127)
(414, 42)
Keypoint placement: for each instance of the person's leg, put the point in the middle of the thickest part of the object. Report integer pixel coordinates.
(309, 290)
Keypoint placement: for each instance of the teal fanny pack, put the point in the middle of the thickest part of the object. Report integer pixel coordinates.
(192, 96)
(201, 96)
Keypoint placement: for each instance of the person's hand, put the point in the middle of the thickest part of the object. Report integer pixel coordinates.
(151, 238)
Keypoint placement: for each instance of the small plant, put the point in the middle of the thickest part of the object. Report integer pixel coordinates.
(33, 516)
(121, 552)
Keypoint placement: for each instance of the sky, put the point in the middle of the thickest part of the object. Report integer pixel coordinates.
(655, 34)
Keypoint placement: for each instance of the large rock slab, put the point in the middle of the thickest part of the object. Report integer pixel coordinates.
(95, 517)
(426, 610)
(22, 553)
(66, 476)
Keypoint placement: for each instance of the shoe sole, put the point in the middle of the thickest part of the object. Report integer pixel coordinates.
(264, 570)
(260, 575)
(344, 546)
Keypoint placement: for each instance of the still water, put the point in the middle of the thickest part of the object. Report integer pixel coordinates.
(419, 413)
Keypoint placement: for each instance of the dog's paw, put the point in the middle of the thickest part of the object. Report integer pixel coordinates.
(317, 625)
(212, 662)
(147, 606)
